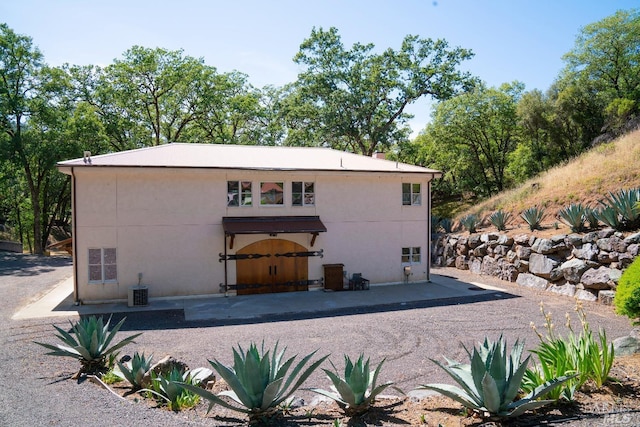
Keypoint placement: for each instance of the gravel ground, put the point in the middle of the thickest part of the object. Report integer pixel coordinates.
(37, 390)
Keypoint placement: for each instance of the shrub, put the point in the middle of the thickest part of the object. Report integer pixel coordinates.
(258, 381)
(492, 381)
(90, 343)
(533, 216)
(500, 219)
(574, 216)
(470, 222)
(357, 390)
(627, 298)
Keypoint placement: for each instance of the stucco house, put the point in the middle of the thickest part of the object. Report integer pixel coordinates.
(206, 219)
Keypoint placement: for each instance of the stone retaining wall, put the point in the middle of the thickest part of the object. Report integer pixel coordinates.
(8, 246)
(585, 266)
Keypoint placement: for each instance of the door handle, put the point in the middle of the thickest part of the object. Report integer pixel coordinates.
(269, 270)
(275, 270)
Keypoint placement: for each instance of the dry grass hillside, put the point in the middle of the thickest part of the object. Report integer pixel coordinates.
(586, 179)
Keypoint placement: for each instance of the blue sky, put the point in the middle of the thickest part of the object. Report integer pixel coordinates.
(512, 39)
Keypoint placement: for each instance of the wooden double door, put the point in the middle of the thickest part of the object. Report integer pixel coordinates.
(271, 266)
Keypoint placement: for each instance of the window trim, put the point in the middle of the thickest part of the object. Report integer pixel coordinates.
(415, 197)
(414, 251)
(303, 193)
(102, 265)
(241, 194)
(281, 183)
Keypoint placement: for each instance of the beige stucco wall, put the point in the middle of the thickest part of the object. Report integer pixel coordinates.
(167, 224)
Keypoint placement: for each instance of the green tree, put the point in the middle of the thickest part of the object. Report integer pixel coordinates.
(606, 61)
(37, 110)
(21, 68)
(156, 96)
(356, 98)
(228, 109)
(471, 136)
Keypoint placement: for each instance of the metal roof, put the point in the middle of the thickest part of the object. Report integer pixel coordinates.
(245, 157)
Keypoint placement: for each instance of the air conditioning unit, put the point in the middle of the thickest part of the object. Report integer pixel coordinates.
(138, 296)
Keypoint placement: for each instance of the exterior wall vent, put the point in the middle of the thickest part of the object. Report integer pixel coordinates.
(138, 296)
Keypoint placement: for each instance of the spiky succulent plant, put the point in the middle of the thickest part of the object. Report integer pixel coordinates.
(500, 219)
(357, 390)
(90, 342)
(533, 216)
(135, 370)
(574, 216)
(470, 223)
(259, 381)
(491, 382)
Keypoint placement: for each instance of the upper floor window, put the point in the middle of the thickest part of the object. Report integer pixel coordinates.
(271, 193)
(238, 193)
(303, 193)
(102, 265)
(411, 194)
(411, 255)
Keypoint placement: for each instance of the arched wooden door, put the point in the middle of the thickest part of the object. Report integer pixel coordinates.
(269, 269)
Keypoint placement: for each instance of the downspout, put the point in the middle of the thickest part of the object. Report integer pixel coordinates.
(428, 260)
(226, 285)
(76, 298)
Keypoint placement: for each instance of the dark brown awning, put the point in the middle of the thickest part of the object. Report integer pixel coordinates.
(272, 225)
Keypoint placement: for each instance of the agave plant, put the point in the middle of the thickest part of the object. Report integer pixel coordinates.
(490, 384)
(470, 223)
(441, 224)
(591, 217)
(89, 342)
(533, 216)
(357, 390)
(609, 216)
(135, 370)
(168, 387)
(500, 219)
(258, 381)
(574, 216)
(625, 204)
(446, 225)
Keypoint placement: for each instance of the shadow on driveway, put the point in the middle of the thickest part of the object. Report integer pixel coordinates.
(30, 265)
(369, 303)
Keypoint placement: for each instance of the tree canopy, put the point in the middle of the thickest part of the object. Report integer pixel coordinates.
(353, 98)
(358, 97)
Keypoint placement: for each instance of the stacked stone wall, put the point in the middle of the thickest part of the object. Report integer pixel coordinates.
(585, 266)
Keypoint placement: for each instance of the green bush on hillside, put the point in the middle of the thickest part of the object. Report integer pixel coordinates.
(627, 298)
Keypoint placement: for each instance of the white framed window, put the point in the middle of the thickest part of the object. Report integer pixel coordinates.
(239, 193)
(411, 194)
(103, 267)
(303, 193)
(411, 255)
(272, 193)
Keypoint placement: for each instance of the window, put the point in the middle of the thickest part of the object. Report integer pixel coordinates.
(238, 193)
(102, 265)
(411, 194)
(411, 255)
(303, 194)
(271, 193)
